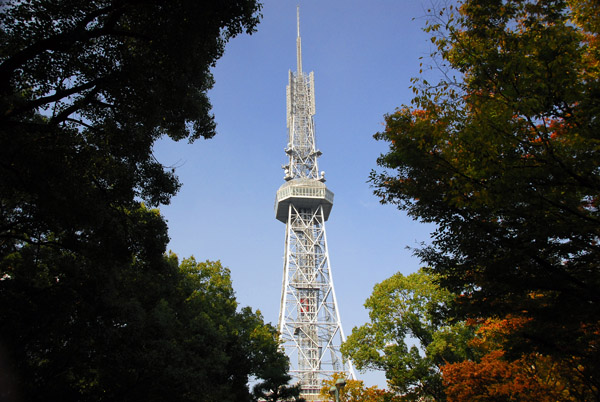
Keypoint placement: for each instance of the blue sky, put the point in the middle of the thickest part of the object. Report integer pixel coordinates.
(363, 55)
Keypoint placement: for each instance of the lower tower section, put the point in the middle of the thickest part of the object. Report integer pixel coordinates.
(309, 321)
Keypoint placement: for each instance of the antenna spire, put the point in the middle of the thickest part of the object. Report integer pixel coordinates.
(298, 16)
(299, 43)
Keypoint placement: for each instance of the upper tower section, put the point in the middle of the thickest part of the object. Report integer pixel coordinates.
(305, 186)
(301, 146)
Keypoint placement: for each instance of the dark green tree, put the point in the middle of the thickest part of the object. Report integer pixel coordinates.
(273, 369)
(276, 387)
(151, 332)
(505, 159)
(91, 307)
(86, 88)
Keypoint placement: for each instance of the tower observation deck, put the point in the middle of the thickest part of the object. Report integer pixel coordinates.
(309, 320)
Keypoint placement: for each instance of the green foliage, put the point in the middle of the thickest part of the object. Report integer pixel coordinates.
(275, 388)
(91, 307)
(506, 161)
(407, 336)
(145, 332)
(355, 391)
(85, 90)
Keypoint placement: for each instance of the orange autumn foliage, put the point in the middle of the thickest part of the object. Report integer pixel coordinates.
(494, 377)
(355, 391)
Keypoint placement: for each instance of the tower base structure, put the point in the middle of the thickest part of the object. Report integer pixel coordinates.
(309, 321)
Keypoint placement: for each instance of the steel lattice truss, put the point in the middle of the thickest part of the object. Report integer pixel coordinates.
(300, 101)
(309, 321)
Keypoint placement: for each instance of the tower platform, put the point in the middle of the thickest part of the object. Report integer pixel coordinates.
(304, 193)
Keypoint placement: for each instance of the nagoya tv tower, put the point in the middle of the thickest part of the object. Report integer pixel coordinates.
(309, 319)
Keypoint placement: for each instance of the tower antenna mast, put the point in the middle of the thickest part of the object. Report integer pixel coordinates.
(309, 320)
(298, 43)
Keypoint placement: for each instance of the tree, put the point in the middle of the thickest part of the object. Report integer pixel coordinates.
(355, 391)
(492, 377)
(408, 337)
(92, 308)
(154, 333)
(505, 160)
(276, 387)
(85, 90)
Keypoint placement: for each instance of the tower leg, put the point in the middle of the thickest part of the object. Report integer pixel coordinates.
(309, 322)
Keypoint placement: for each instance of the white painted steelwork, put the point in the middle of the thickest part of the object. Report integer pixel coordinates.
(303, 193)
(309, 320)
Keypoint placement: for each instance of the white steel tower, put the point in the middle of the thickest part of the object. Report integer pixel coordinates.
(309, 319)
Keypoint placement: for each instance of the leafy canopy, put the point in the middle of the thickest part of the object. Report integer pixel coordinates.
(92, 307)
(355, 391)
(86, 88)
(505, 159)
(75, 330)
(408, 337)
(492, 377)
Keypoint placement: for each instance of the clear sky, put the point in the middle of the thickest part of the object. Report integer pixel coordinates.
(363, 54)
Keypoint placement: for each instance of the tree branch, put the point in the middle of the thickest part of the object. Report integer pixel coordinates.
(58, 95)
(65, 113)
(61, 41)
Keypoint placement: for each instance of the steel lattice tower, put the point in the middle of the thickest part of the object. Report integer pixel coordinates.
(309, 320)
